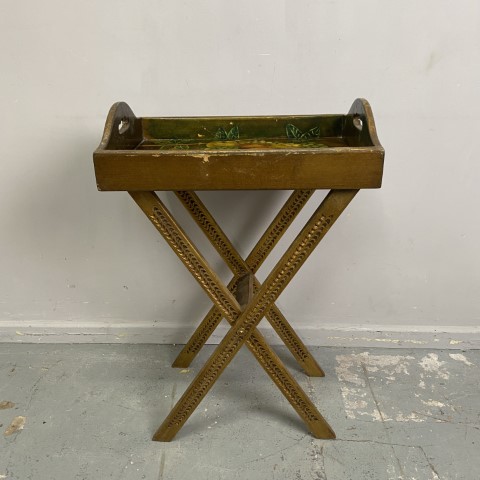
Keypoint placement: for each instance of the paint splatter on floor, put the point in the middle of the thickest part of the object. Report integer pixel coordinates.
(431, 364)
(17, 424)
(363, 378)
(460, 358)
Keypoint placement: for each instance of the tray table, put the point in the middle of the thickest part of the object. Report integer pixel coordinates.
(301, 153)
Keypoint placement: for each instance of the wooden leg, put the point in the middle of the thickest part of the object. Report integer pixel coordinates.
(244, 324)
(239, 266)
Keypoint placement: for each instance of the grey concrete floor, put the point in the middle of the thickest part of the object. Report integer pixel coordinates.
(90, 411)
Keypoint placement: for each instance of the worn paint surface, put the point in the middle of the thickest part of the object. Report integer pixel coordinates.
(361, 375)
(460, 358)
(17, 424)
(98, 406)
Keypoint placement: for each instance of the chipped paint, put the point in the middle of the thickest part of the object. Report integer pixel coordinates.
(460, 358)
(352, 369)
(411, 417)
(396, 341)
(17, 424)
(345, 374)
(6, 404)
(361, 374)
(394, 336)
(352, 399)
(431, 364)
(433, 403)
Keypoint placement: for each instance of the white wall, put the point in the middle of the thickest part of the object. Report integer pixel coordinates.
(77, 264)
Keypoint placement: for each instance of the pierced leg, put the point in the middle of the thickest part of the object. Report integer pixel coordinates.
(286, 268)
(244, 328)
(239, 266)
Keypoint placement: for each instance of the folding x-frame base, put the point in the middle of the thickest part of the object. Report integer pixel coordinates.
(244, 301)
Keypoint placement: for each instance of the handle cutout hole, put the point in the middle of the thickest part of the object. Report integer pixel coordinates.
(358, 123)
(123, 126)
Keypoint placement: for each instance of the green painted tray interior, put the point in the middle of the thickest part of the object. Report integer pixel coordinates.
(242, 133)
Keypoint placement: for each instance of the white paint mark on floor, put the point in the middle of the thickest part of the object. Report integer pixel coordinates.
(396, 341)
(411, 417)
(356, 393)
(431, 364)
(363, 377)
(17, 424)
(460, 358)
(354, 400)
(433, 403)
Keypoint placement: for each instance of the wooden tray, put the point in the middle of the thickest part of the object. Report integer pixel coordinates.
(239, 153)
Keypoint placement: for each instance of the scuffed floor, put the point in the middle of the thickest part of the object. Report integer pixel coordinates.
(88, 412)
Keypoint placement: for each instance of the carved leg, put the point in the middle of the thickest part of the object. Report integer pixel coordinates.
(239, 266)
(244, 328)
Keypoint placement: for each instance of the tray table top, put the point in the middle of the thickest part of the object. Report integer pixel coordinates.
(230, 153)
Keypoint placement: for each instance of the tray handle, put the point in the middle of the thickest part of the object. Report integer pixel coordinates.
(123, 130)
(359, 126)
